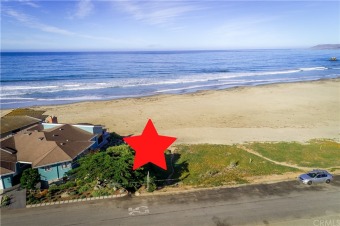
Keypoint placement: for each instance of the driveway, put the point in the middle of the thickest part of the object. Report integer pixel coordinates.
(18, 197)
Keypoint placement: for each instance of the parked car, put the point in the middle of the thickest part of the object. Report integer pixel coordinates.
(316, 176)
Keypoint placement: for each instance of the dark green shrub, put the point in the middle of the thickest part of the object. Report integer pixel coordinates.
(30, 177)
(6, 200)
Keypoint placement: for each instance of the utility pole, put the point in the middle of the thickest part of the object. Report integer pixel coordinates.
(147, 181)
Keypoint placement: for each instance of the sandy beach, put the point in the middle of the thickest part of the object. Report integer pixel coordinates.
(280, 112)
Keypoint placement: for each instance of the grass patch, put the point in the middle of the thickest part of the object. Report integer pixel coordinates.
(316, 153)
(214, 165)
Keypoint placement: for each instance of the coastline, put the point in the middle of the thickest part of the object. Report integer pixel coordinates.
(297, 111)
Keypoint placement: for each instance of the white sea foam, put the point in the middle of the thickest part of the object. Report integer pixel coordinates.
(67, 99)
(6, 103)
(71, 85)
(198, 87)
(71, 98)
(16, 98)
(313, 69)
(12, 90)
(6, 88)
(217, 76)
(231, 84)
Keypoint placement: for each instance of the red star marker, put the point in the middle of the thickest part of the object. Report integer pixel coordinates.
(149, 147)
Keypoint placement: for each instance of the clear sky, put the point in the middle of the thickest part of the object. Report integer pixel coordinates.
(167, 25)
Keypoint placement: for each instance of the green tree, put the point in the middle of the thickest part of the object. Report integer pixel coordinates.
(30, 177)
(114, 164)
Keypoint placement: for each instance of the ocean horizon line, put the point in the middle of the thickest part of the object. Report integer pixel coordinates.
(153, 51)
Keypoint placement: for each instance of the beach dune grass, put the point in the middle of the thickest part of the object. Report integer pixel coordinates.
(315, 153)
(215, 165)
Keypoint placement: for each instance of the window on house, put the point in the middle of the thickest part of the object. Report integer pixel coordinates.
(47, 168)
(66, 165)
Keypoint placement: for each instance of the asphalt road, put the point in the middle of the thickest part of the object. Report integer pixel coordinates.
(284, 203)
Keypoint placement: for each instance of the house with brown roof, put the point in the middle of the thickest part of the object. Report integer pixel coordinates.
(51, 148)
(7, 168)
(13, 124)
(20, 119)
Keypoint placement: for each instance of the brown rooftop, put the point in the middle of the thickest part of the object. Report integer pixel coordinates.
(19, 119)
(10, 124)
(7, 168)
(8, 161)
(41, 148)
(67, 132)
(28, 112)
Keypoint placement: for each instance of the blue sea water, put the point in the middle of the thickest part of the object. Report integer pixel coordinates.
(44, 78)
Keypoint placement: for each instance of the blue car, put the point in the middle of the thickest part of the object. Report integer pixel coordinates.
(316, 176)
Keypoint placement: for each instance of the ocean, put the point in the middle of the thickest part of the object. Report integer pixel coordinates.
(49, 78)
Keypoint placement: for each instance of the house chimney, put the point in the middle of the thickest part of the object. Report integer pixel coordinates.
(51, 119)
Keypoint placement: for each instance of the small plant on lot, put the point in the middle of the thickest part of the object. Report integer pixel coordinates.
(98, 193)
(211, 173)
(79, 182)
(5, 200)
(233, 163)
(31, 199)
(73, 192)
(151, 186)
(53, 189)
(83, 188)
(114, 185)
(42, 193)
(67, 185)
